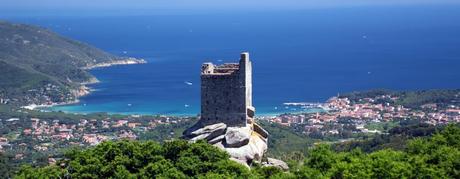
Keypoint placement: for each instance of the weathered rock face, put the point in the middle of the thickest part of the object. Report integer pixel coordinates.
(237, 136)
(271, 162)
(208, 132)
(254, 150)
(216, 140)
(244, 144)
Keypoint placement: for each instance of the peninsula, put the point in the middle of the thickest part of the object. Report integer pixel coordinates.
(40, 67)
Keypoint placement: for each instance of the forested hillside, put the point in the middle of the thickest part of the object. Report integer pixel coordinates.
(35, 62)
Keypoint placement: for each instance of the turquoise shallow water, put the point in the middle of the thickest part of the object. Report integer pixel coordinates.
(301, 56)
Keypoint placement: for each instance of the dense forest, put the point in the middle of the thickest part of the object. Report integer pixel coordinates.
(437, 156)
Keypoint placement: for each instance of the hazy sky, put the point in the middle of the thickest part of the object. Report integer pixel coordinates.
(201, 4)
(120, 7)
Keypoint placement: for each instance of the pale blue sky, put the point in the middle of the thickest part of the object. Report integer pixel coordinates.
(142, 7)
(201, 4)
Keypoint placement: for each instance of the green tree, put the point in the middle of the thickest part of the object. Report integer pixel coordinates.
(321, 158)
(133, 159)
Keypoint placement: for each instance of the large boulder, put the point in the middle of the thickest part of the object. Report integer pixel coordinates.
(244, 144)
(253, 151)
(207, 132)
(216, 139)
(237, 136)
(271, 162)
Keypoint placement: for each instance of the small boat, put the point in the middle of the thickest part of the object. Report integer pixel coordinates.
(188, 83)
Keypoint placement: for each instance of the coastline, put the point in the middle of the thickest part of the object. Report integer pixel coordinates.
(38, 106)
(123, 61)
(261, 115)
(83, 89)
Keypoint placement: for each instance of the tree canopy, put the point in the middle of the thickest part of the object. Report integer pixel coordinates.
(133, 159)
(437, 156)
(434, 157)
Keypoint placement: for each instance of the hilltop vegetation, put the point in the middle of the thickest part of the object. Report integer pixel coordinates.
(36, 63)
(434, 157)
(132, 159)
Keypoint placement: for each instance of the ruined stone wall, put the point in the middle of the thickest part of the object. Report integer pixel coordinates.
(226, 93)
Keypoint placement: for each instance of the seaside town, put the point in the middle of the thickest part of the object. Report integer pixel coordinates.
(341, 115)
(32, 138)
(29, 138)
(44, 94)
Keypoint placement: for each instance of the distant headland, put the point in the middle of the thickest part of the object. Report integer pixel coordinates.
(42, 68)
(123, 61)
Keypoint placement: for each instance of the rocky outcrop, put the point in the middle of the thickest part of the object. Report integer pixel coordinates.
(207, 132)
(271, 162)
(253, 151)
(216, 140)
(245, 144)
(237, 136)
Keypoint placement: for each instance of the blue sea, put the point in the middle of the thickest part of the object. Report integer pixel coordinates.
(298, 56)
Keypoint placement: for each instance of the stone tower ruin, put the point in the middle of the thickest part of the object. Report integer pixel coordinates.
(226, 93)
(227, 114)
